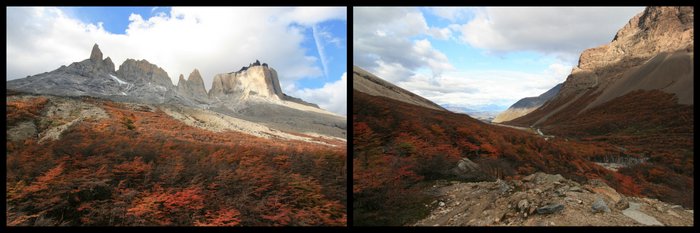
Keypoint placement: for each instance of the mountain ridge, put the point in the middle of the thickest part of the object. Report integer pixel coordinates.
(234, 93)
(526, 105)
(366, 82)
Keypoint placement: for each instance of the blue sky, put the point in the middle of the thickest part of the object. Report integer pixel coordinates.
(114, 19)
(484, 59)
(306, 45)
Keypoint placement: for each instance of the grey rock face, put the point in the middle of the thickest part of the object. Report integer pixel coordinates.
(108, 65)
(144, 72)
(89, 77)
(193, 87)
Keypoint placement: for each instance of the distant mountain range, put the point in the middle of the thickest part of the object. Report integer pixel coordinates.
(526, 105)
(252, 93)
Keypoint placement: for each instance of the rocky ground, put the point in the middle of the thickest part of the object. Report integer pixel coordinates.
(61, 113)
(546, 200)
(217, 122)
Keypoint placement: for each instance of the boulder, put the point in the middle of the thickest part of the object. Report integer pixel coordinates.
(600, 206)
(622, 204)
(550, 209)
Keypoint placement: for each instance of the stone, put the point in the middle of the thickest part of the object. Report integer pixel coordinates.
(607, 192)
(622, 204)
(523, 205)
(441, 204)
(600, 206)
(503, 187)
(550, 209)
(575, 189)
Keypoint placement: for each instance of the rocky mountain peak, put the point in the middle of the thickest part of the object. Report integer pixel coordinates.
(196, 77)
(142, 71)
(655, 30)
(193, 86)
(251, 80)
(108, 64)
(96, 54)
(181, 80)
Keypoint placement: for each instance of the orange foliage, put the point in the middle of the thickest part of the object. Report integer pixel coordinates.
(398, 145)
(163, 172)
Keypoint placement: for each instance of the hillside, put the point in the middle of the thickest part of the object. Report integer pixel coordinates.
(366, 82)
(635, 93)
(93, 162)
(401, 149)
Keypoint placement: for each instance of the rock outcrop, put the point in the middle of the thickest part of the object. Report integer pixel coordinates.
(143, 72)
(254, 80)
(526, 105)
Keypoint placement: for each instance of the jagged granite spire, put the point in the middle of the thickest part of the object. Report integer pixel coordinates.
(96, 54)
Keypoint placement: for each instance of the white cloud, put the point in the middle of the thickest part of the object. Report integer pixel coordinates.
(332, 96)
(440, 33)
(321, 49)
(562, 31)
(211, 39)
(450, 13)
(394, 44)
(476, 89)
(313, 15)
(394, 39)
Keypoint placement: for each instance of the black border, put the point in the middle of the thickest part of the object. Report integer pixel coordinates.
(349, 4)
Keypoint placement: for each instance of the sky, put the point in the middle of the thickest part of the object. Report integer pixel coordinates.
(307, 46)
(480, 58)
